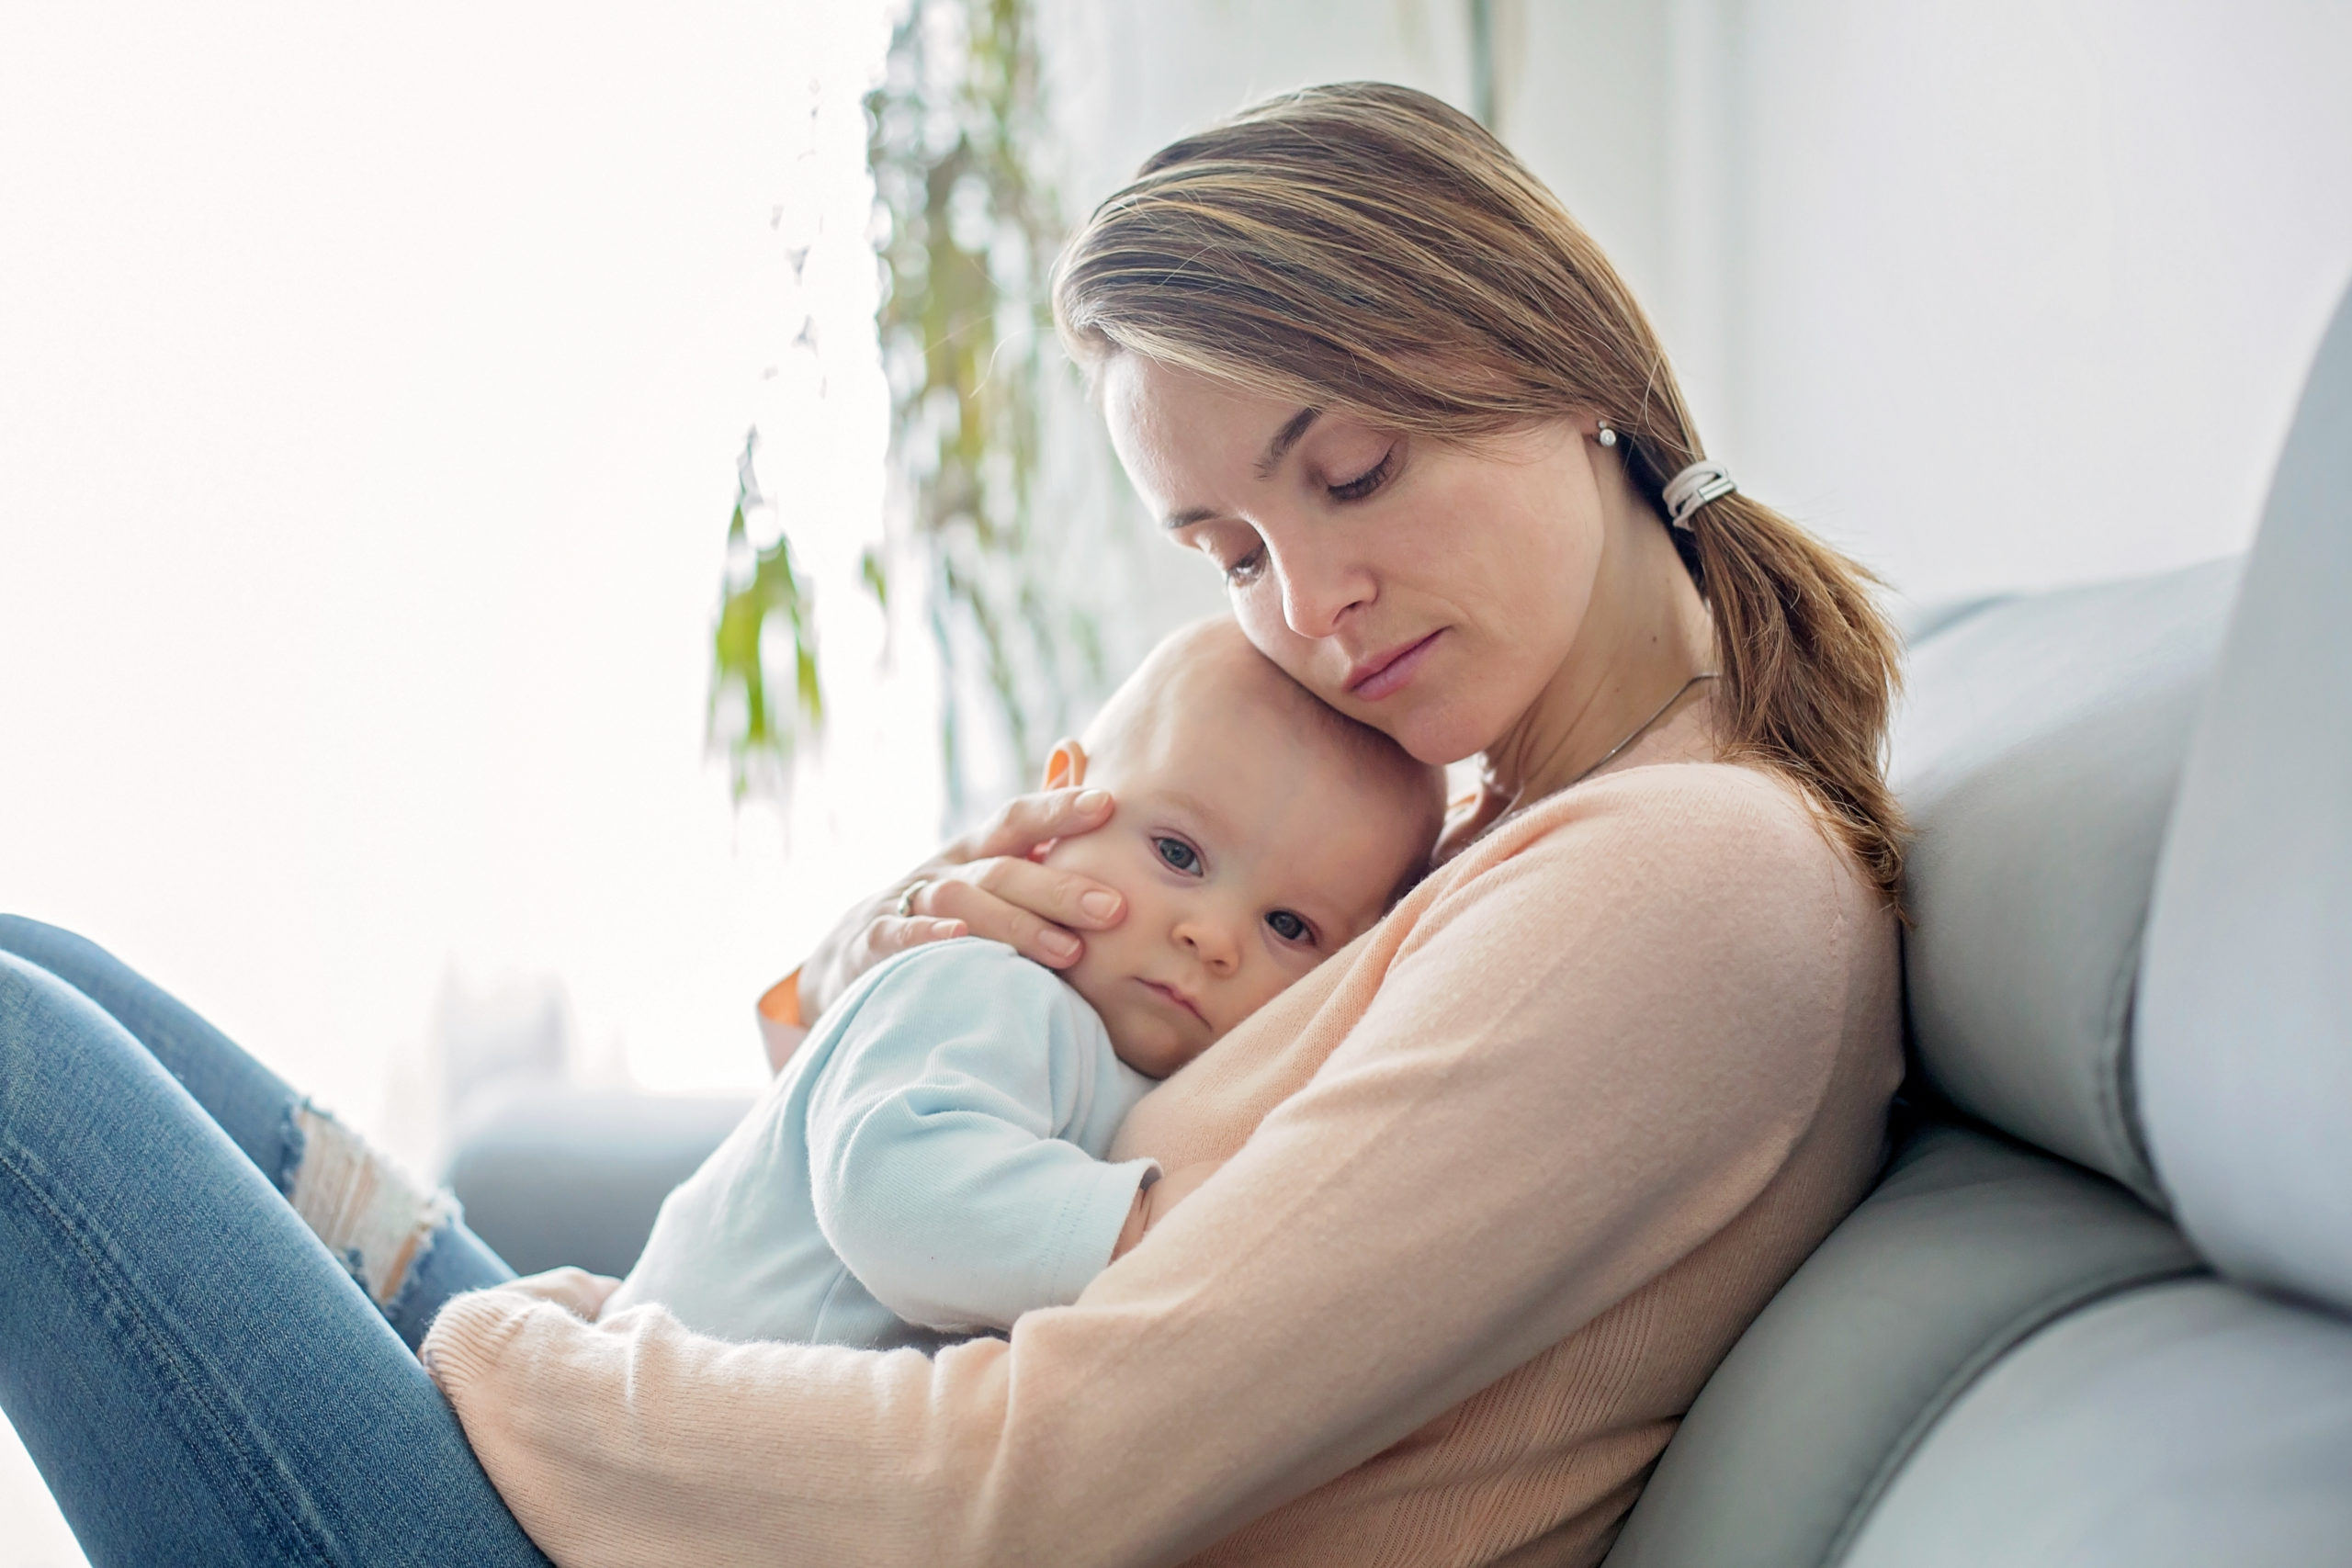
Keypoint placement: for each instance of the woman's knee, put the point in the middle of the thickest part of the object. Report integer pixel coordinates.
(39, 1013)
(54, 948)
(53, 1040)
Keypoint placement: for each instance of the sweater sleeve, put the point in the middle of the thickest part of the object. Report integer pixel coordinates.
(935, 1159)
(1585, 1059)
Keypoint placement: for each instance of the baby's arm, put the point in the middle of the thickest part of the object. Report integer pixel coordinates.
(935, 1172)
(1151, 1204)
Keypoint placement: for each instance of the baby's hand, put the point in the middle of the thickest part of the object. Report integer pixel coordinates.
(1154, 1201)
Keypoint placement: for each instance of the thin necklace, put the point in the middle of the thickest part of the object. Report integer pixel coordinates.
(1612, 755)
(1642, 729)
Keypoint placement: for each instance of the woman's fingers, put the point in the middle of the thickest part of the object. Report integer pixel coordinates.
(1029, 820)
(576, 1291)
(985, 915)
(886, 934)
(1064, 897)
(1025, 905)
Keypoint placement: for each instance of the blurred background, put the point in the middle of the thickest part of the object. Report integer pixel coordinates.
(512, 515)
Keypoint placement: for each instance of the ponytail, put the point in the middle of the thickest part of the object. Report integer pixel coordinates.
(1810, 668)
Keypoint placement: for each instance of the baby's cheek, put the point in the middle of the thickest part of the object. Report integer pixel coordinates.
(1084, 975)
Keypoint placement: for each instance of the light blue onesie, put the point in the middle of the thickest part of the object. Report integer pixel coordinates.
(927, 1165)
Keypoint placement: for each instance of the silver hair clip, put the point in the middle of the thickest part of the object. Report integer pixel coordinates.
(1692, 488)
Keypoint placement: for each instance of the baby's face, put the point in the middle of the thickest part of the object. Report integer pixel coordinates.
(1249, 850)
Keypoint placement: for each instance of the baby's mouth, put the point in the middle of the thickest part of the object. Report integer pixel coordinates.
(1174, 997)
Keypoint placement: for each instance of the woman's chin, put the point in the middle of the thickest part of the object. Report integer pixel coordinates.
(1430, 733)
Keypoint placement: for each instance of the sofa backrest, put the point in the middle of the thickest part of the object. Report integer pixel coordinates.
(2001, 1358)
(2036, 753)
(2244, 1033)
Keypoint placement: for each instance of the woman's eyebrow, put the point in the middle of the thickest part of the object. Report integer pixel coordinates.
(1276, 450)
(1285, 439)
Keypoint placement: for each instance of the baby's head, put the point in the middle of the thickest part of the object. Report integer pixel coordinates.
(1257, 832)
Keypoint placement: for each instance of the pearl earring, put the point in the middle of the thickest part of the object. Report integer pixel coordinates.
(1608, 437)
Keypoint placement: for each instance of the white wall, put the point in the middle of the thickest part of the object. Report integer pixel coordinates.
(1997, 293)
(370, 389)
(1130, 75)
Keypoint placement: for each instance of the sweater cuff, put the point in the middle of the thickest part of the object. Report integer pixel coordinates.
(469, 1335)
(1090, 1227)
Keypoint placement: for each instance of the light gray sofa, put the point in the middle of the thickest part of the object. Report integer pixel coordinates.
(2099, 1309)
(2095, 1314)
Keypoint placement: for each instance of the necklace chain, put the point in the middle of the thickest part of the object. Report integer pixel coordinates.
(1613, 753)
(1642, 729)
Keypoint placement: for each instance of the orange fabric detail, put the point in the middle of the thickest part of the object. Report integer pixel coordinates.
(781, 1003)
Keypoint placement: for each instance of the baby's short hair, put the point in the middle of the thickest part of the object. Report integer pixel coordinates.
(1217, 645)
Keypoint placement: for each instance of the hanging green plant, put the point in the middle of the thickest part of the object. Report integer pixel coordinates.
(762, 589)
(967, 232)
(970, 230)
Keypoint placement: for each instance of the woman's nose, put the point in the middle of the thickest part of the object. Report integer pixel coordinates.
(1318, 587)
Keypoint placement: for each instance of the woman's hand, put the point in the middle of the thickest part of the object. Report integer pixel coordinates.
(982, 885)
(576, 1291)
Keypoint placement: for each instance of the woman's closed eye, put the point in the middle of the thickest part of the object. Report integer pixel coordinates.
(1364, 483)
(1240, 567)
(1177, 855)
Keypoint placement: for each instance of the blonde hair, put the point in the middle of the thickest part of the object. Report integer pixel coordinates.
(1366, 249)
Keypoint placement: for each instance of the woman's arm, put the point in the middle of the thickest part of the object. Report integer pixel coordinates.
(1583, 1062)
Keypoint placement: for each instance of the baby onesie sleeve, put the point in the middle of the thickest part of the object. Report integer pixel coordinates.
(939, 1152)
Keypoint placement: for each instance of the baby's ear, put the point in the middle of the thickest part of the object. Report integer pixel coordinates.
(1064, 765)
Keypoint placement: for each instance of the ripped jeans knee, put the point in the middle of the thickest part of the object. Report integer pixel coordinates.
(378, 1221)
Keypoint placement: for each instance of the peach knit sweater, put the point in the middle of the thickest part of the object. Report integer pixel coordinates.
(1508, 1176)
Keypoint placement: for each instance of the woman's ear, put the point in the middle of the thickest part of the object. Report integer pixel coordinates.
(1064, 765)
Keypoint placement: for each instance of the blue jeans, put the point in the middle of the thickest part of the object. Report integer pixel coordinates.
(198, 1378)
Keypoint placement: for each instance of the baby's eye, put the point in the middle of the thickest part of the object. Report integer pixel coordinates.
(1179, 854)
(1289, 927)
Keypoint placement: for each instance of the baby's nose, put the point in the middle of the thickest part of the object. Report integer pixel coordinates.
(1211, 940)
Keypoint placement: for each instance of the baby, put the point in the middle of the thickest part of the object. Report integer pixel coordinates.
(929, 1163)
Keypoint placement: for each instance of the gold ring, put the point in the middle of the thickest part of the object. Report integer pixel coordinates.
(907, 899)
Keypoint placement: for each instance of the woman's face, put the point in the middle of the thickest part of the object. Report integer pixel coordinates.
(1430, 590)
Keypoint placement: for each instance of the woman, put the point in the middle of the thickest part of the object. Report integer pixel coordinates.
(1508, 1176)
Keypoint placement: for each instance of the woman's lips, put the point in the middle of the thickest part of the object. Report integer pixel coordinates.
(1378, 676)
(1172, 995)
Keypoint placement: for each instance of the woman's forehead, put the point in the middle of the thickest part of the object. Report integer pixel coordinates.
(1170, 415)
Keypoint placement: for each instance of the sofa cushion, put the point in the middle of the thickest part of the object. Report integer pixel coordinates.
(2187, 1424)
(1968, 1246)
(2246, 1003)
(2036, 753)
(561, 1175)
